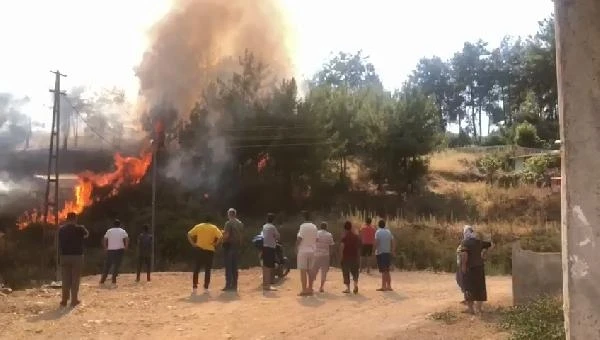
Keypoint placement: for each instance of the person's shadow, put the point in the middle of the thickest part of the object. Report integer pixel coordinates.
(51, 315)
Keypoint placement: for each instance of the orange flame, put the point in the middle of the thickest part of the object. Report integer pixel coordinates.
(129, 170)
(262, 162)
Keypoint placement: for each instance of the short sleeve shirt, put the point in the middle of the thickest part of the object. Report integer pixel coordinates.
(383, 239)
(270, 235)
(206, 235)
(70, 239)
(115, 238)
(351, 243)
(234, 228)
(324, 243)
(367, 234)
(308, 233)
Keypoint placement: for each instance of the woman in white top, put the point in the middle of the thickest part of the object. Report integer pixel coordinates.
(322, 259)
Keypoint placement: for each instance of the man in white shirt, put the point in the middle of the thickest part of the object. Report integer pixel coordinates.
(306, 244)
(115, 242)
(322, 260)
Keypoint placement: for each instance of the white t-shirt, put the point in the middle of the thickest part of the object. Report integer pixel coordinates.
(324, 242)
(308, 234)
(115, 238)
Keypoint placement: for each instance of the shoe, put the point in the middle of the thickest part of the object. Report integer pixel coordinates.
(206, 291)
(226, 289)
(321, 290)
(63, 303)
(75, 303)
(355, 291)
(194, 291)
(347, 291)
(269, 289)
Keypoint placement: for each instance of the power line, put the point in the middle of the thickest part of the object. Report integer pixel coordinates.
(88, 124)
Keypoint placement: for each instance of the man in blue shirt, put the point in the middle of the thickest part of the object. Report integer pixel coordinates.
(385, 247)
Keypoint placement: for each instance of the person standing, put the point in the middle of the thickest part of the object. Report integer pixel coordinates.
(70, 247)
(144, 252)
(350, 255)
(385, 246)
(472, 265)
(306, 244)
(232, 241)
(204, 237)
(322, 258)
(367, 237)
(270, 236)
(115, 242)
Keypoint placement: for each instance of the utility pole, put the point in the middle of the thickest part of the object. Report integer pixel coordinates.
(157, 142)
(53, 161)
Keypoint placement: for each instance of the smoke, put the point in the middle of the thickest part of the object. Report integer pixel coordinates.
(200, 40)
(196, 43)
(14, 125)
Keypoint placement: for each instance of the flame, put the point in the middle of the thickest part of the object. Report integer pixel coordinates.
(262, 162)
(129, 171)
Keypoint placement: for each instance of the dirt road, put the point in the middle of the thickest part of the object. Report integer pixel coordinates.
(163, 309)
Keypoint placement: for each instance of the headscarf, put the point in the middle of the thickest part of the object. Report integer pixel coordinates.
(468, 232)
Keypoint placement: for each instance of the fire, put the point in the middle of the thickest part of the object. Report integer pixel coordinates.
(128, 171)
(262, 162)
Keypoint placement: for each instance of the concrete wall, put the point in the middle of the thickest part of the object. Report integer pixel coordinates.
(535, 274)
(578, 71)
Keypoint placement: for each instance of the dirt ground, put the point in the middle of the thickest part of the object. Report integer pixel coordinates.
(164, 309)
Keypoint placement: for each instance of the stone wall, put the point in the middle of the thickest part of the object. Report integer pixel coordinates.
(535, 274)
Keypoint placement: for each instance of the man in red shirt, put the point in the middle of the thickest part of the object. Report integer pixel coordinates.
(367, 237)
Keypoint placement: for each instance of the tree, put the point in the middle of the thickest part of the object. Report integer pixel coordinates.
(526, 135)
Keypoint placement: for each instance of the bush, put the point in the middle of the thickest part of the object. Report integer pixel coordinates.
(541, 319)
(458, 140)
(526, 135)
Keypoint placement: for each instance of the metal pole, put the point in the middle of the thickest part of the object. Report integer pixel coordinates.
(153, 223)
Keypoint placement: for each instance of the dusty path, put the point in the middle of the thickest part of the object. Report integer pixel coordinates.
(163, 309)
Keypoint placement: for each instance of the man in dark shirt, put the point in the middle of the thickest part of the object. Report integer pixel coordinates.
(70, 246)
(232, 239)
(350, 254)
(144, 247)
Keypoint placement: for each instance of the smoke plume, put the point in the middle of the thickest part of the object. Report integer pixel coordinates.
(200, 40)
(14, 125)
(196, 43)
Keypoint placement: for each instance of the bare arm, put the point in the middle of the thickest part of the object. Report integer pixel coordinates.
(126, 242)
(105, 243)
(298, 241)
(191, 240)
(86, 233)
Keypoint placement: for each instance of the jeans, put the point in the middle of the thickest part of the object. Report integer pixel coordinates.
(113, 260)
(231, 267)
(204, 259)
(143, 260)
(71, 274)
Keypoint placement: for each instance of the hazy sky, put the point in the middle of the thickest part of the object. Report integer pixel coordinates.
(98, 42)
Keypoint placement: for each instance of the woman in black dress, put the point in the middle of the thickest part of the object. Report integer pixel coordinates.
(472, 263)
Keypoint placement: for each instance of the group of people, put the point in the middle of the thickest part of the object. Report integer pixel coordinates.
(314, 250)
(71, 236)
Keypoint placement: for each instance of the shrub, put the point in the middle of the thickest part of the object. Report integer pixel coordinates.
(541, 319)
(526, 135)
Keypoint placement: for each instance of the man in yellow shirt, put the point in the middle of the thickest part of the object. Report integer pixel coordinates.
(204, 237)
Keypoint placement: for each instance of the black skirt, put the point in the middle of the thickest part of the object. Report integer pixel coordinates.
(474, 284)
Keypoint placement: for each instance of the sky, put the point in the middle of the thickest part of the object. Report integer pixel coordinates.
(97, 43)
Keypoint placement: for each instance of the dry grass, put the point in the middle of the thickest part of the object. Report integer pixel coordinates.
(451, 162)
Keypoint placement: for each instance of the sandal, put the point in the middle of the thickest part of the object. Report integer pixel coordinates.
(355, 291)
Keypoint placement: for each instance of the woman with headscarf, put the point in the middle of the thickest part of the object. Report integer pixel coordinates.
(472, 254)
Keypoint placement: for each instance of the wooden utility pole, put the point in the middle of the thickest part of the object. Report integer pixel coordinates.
(53, 161)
